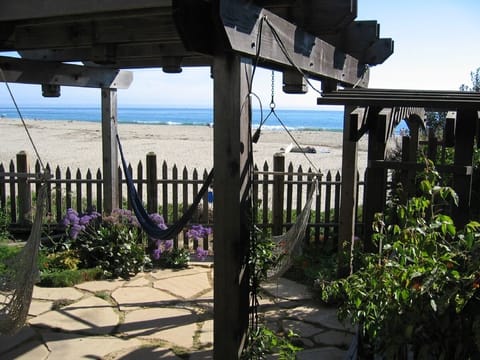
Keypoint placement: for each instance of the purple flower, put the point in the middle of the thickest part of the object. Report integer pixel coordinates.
(198, 232)
(201, 253)
(75, 230)
(168, 244)
(156, 253)
(85, 219)
(161, 246)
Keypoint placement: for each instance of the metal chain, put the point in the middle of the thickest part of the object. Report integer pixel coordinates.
(272, 102)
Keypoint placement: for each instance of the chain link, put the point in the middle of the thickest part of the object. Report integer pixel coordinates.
(272, 101)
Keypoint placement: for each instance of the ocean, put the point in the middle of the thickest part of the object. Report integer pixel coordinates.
(293, 119)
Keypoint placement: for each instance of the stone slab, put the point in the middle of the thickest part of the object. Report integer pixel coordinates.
(176, 326)
(72, 346)
(185, 287)
(144, 353)
(38, 307)
(330, 353)
(170, 273)
(136, 298)
(141, 281)
(92, 315)
(287, 289)
(8, 342)
(300, 328)
(65, 293)
(101, 285)
(31, 350)
(205, 334)
(334, 338)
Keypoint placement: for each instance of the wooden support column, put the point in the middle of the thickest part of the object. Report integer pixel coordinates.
(109, 149)
(278, 190)
(375, 177)
(348, 196)
(232, 163)
(462, 183)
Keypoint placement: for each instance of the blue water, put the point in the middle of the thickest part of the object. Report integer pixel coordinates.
(292, 119)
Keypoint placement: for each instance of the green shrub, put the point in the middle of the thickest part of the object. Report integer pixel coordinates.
(263, 343)
(68, 278)
(173, 259)
(114, 248)
(4, 223)
(62, 260)
(422, 288)
(7, 256)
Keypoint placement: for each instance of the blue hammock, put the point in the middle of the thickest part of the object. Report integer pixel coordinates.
(144, 219)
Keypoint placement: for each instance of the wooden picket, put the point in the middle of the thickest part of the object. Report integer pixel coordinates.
(170, 194)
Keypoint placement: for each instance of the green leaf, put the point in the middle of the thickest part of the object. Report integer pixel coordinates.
(433, 304)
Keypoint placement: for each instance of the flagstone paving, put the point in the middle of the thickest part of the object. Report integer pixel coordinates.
(165, 314)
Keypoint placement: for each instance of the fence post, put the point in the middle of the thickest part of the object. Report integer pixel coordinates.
(152, 191)
(24, 192)
(277, 196)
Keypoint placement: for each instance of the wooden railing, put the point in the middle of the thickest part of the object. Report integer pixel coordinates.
(278, 195)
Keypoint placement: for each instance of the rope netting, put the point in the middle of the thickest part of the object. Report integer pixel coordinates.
(289, 245)
(17, 282)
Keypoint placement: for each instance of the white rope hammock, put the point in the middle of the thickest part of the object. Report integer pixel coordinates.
(289, 245)
(16, 286)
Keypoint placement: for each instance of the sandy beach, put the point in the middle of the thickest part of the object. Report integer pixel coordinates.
(77, 144)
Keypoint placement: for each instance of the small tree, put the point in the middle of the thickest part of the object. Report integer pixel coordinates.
(475, 77)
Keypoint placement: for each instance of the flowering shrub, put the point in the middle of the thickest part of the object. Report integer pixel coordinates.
(117, 244)
(114, 243)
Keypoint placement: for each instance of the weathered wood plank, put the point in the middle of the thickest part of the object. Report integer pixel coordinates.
(43, 72)
(109, 149)
(348, 205)
(231, 204)
(247, 25)
(23, 9)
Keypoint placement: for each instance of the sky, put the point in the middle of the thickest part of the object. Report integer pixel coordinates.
(436, 47)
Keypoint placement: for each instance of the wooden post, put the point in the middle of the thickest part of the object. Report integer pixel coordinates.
(375, 176)
(277, 195)
(152, 189)
(24, 191)
(233, 168)
(462, 183)
(109, 149)
(348, 197)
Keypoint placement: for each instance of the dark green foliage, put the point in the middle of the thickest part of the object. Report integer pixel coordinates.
(173, 259)
(65, 278)
(115, 248)
(7, 257)
(422, 288)
(263, 342)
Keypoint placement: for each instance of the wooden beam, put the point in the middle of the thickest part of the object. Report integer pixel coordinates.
(233, 168)
(23, 9)
(242, 25)
(378, 52)
(87, 32)
(43, 72)
(109, 149)
(324, 16)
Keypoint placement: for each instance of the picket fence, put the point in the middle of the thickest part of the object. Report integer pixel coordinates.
(278, 195)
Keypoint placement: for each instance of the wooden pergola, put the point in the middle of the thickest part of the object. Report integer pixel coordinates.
(378, 111)
(320, 39)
